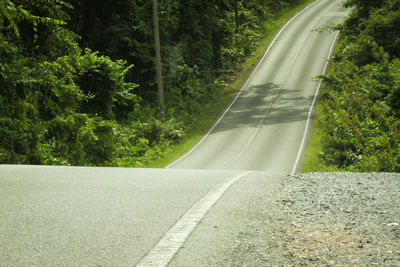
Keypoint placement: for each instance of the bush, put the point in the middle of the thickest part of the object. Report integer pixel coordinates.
(361, 111)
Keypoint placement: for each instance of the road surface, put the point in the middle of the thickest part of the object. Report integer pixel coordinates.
(77, 216)
(207, 207)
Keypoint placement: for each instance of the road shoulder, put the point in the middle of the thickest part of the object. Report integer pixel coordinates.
(318, 219)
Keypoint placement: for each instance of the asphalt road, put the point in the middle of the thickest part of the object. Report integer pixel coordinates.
(206, 207)
(72, 216)
(265, 126)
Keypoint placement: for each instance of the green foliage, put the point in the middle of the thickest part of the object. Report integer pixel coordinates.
(58, 106)
(102, 83)
(378, 19)
(138, 143)
(360, 104)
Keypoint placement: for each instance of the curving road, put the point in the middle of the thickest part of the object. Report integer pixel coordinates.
(210, 208)
(264, 127)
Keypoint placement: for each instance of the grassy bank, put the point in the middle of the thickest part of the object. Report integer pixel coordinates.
(213, 110)
(313, 161)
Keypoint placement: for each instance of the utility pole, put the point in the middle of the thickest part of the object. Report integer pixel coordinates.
(237, 16)
(158, 61)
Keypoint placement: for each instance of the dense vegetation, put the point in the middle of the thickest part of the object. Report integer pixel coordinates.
(61, 103)
(361, 101)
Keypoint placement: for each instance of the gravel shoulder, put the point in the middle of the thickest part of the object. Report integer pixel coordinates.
(318, 219)
(340, 219)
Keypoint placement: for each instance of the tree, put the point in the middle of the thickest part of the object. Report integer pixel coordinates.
(360, 118)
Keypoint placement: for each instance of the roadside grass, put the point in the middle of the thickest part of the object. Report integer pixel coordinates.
(313, 161)
(213, 110)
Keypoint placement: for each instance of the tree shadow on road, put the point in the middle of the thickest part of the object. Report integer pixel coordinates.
(250, 108)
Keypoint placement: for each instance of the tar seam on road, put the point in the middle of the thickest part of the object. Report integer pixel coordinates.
(312, 106)
(242, 89)
(274, 97)
(162, 253)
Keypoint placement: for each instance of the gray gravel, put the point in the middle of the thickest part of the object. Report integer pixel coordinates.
(339, 219)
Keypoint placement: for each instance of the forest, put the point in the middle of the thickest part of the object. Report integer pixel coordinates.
(360, 118)
(77, 77)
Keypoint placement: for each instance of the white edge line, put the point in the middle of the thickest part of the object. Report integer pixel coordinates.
(312, 107)
(162, 253)
(241, 90)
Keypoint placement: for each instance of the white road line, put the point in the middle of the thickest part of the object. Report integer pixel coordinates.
(162, 253)
(312, 107)
(242, 89)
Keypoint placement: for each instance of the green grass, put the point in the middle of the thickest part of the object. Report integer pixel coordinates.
(313, 161)
(212, 111)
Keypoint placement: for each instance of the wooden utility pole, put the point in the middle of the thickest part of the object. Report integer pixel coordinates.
(158, 61)
(237, 16)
